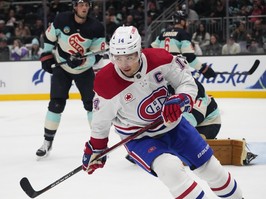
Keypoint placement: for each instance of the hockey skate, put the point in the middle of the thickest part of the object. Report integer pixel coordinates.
(43, 151)
(249, 158)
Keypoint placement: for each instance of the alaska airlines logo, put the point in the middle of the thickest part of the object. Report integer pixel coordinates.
(150, 108)
(38, 76)
(234, 77)
(74, 41)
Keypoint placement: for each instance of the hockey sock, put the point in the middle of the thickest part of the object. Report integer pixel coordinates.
(52, 121)
(170, 170)
(220, 181)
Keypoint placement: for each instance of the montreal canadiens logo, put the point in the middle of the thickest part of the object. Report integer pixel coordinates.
(150, 108)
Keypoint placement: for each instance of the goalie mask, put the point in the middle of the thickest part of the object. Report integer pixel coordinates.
(125, 40)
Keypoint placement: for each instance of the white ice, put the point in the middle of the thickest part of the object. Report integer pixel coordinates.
(21, 133)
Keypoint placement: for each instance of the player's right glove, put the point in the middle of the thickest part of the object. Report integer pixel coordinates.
(47, 59)
(89, 154)
(74, 60)
(207, 71)
(174, 106)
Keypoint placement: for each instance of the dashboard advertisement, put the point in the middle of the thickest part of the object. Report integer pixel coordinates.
(237, 76)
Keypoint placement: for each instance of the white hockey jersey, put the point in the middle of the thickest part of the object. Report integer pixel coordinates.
(132, 103)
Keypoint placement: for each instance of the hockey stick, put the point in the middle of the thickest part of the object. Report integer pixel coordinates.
(27, 188)
(85, 55)
(250, 72)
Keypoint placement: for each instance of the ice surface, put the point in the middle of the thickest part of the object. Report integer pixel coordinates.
(21, 134)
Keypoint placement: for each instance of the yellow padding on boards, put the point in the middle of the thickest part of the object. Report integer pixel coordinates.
(238, 94)
(216, 94)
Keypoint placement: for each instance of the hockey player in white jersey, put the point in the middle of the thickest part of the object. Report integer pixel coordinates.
(130, 93)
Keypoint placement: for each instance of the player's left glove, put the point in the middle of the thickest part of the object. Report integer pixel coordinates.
(174, 106)
(207, 71)
(47, 59)
(75, 60)
(89, 154)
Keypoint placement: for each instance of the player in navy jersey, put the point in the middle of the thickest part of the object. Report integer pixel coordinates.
(130, 93)
(177, 40)
(70, 36)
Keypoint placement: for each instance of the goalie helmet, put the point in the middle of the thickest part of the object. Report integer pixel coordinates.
(179, 15)
(125, 40)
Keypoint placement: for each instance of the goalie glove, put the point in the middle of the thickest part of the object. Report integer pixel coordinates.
(174, 106)
(207, 71)
(47, 59)
(88, 163)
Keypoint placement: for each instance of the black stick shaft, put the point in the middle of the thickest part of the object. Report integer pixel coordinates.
(250, 72)
(86, 55)
(28, 189)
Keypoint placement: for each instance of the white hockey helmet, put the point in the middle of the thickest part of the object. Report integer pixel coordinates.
(125, 40)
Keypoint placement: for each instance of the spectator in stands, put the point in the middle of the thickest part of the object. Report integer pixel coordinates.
(244, 10)
(19, 51)
(219, 10)
(254, 48)
(129, 21)
(138, 14)
(4, 50)
(214, 48)
(112, 12)
(241, 36)
(56, 7)
(231, 47)
(201, 36)
(4, 31)
(240, 33)
(110, 27)
(22, 31)
(97, 13)
(122, 14)
(257, 9)
(259, 32)
(153, 11)
(200, 8)
(11, 20)
(4, 6)
(38, 28)
(35, 51)
(21, 11)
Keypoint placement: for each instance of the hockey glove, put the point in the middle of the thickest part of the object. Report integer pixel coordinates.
(47, 59)
(88, 156)
(207, 71)
(174, 106)
(75, 60)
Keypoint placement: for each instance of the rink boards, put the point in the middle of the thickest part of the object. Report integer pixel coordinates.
(25, 80)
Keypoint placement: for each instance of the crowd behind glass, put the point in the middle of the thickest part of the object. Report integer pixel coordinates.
(21, 29)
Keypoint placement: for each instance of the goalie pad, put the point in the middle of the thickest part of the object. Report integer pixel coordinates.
(229, 151)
